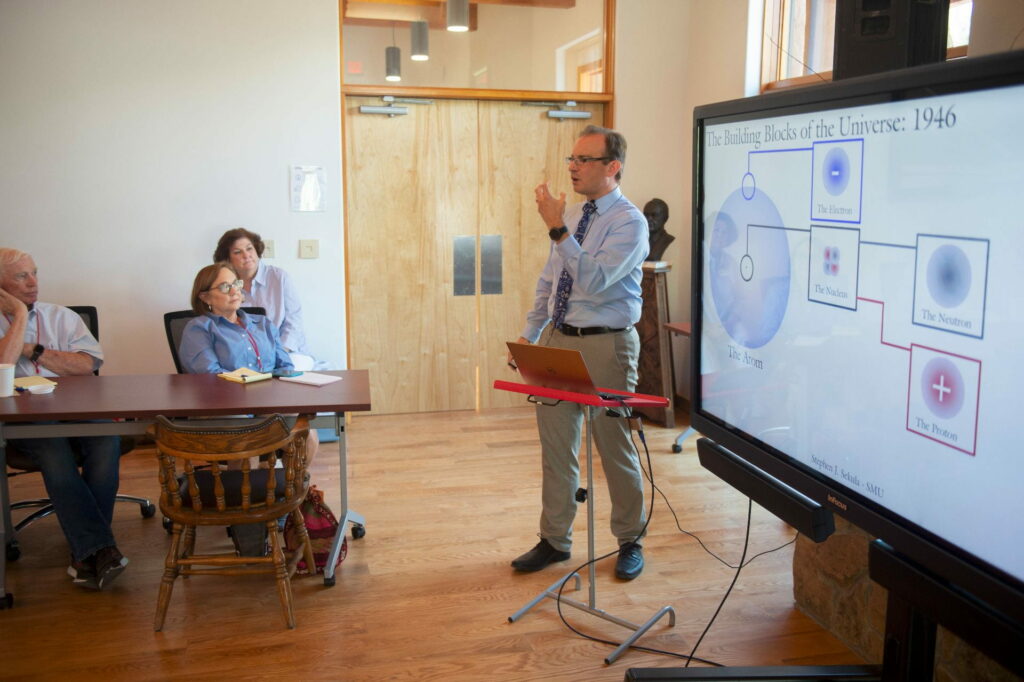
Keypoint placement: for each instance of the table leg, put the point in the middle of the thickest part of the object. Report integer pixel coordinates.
(347, 515)
(6, 527)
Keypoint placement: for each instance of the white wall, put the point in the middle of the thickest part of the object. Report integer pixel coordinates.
(672, 56)
(554, 28)
(996, 27)
(134, 132)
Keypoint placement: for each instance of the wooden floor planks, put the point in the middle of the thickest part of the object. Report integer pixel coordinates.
(449, 500)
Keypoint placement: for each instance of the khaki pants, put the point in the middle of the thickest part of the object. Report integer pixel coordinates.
(612, 361)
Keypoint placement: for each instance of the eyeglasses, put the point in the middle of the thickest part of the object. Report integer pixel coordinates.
(225, 287)
(585, 159)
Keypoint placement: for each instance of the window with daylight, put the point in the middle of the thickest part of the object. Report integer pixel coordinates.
(798, 40)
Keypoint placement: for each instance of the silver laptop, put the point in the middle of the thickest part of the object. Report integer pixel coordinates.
(557, 368)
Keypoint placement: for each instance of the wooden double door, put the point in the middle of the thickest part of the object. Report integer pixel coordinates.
(445, 244)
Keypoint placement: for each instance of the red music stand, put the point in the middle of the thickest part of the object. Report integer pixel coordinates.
(590, 403)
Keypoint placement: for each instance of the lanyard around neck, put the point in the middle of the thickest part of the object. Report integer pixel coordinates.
(255, 349)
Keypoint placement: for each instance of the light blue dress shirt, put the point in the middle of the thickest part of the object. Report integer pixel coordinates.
(272, 289)
(211, 344)
(56, 328)
(606, 269)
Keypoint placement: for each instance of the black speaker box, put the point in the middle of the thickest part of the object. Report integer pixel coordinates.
(881, 35)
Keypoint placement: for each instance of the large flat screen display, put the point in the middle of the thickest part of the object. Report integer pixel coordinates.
(859, 269)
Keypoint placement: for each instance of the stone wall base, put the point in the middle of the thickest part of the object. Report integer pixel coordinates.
(831, 585)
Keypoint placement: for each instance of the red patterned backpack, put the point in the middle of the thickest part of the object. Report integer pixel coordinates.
(321, 525)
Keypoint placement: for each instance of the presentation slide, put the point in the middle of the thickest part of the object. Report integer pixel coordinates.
(861, 304)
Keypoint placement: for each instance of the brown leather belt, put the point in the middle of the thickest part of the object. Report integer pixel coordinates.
(570, 330)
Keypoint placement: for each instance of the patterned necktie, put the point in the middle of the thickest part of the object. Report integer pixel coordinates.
(565, 279)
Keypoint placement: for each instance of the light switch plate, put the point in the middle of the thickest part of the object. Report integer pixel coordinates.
(309, 248)
(268, 248)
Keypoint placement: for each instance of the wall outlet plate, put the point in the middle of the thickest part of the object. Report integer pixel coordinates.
(268, 248)
(309, 248)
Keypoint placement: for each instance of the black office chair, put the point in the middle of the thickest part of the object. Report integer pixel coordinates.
(174, 326)
(23, 464)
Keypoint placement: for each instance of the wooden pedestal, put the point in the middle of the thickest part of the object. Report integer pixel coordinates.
(655, 347)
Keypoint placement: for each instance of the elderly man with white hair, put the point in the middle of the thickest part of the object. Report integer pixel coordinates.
(49, 340)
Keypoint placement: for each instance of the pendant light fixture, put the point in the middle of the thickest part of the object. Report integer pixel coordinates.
(392, 60)
(392, 64)
(420, 51)
(458, 15)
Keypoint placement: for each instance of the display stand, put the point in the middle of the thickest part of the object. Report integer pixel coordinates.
(683, 329)
(654, 365)
(590, 404)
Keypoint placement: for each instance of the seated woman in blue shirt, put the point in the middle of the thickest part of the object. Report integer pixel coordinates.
(222, 337)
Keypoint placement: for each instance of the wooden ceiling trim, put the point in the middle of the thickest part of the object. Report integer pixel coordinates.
(553, 4)
(369, 89)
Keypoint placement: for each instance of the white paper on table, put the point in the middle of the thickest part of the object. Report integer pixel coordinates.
(312, 378)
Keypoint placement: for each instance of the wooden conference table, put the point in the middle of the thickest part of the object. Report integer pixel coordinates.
(140, 398)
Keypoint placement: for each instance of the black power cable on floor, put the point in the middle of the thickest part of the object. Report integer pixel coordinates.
(558, 599)
(699, 541)
(649, 475)
(736, 576)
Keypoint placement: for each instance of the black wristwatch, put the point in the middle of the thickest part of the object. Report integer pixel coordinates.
(556, 232)
(36, 352)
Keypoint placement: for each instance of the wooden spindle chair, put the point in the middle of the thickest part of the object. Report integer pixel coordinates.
(218, 476)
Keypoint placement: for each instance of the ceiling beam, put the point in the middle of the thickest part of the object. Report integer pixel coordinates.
(553, 4)
(436, 18)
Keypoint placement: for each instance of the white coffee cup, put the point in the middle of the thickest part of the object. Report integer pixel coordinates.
(6, 380)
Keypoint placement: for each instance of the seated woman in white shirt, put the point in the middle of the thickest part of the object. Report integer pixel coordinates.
(270, 288)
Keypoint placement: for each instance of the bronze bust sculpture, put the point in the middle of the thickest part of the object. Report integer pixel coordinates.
(656, 212)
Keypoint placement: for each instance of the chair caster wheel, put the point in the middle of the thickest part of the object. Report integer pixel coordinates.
(7, 602)
(677, 448)
(329, 582)
(358, 532)
(168, 525)
(13, 551)
(148, 511)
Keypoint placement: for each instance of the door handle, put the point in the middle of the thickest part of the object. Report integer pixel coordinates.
(464, 265)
